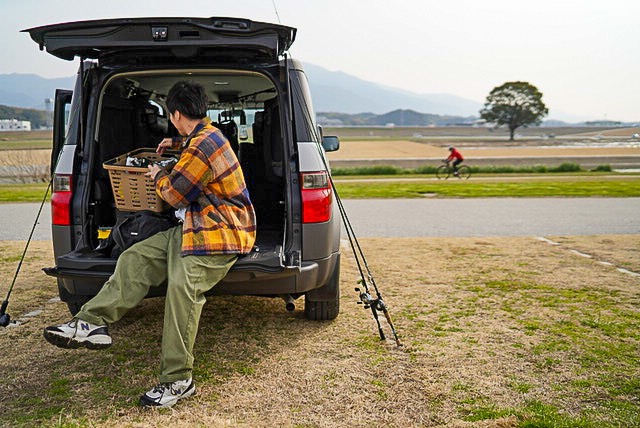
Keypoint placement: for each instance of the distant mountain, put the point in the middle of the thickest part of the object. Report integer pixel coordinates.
(399, 117)
(335, 91)
(332, 91)
(30, 90)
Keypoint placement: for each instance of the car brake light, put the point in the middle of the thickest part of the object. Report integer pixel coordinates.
(316, 197)
(61, 200)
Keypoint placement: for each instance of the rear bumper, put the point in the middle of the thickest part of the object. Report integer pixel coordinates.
(289, 280)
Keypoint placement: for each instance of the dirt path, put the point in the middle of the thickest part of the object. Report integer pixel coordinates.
(390, 150)
(410, 149)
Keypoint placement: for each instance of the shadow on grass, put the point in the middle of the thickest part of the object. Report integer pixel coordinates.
(47, 383)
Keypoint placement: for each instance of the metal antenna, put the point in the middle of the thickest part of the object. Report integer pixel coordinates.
(276, 9)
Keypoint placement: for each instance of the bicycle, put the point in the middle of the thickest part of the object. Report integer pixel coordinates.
(445, 171)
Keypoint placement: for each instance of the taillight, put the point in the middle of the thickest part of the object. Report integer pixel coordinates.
(61, 200)
(316, 197)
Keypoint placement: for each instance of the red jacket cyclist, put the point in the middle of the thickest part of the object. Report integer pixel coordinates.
(457, 159)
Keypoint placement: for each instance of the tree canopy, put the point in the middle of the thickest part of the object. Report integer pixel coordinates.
(38, 118)
(514, 104)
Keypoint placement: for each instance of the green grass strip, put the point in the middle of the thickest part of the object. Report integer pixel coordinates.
(567, 187)
(22, 192)
(471, 189)
(25, 144)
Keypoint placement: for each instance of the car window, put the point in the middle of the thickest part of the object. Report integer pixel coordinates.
(244, 119)
(303, 113)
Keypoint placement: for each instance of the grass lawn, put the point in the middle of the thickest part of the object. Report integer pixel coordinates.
(502, 186)
(567, 186)
(18, 140)
(498, 332)
(31, 192)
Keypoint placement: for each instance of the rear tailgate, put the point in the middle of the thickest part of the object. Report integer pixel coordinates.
(180, 37)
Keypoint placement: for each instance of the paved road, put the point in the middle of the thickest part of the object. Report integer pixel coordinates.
(16, 221)
(494, 216)
(432, 217)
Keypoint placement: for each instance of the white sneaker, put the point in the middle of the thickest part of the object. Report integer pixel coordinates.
(168, 394)
(78, 333)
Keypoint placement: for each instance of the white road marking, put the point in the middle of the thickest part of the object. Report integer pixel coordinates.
(589, 256)
(548, 241)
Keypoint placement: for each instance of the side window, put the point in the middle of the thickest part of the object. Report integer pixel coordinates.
(158, 107)
(156, 119)
(243, 119)
(61, 119)
(303, 113)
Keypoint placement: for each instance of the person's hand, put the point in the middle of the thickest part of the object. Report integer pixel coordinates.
(166, 143)
(153, 171)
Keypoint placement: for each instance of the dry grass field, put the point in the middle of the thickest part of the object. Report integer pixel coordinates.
(464, 133)
(498, 332)
(411, 149)
(386, 150)
(397, 143)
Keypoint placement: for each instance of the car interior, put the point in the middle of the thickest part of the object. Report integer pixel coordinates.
(132, 114)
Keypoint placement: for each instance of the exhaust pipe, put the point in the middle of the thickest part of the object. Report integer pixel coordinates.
(289, 303)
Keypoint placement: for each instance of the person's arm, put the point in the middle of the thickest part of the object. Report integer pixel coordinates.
(169, 143)
(184, 184)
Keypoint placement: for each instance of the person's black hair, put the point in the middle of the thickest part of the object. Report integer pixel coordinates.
(189, 99)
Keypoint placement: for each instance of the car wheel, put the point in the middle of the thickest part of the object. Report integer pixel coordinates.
(325, 309)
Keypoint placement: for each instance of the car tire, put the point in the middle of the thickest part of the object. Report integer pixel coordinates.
(324, 310)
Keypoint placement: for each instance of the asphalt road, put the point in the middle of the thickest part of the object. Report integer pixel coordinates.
(432, 217)
(494, 217)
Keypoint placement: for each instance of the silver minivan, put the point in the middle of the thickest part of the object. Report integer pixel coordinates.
(259, 98)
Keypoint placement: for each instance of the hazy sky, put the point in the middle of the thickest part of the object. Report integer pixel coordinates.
(583, 55)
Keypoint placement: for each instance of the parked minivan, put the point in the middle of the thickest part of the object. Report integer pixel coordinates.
(259, 98)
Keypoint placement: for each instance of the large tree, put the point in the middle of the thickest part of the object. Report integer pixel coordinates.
(514, 104)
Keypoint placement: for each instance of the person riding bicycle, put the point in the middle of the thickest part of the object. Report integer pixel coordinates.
(457, 159)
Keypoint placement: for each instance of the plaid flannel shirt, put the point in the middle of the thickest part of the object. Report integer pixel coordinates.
(208, 182)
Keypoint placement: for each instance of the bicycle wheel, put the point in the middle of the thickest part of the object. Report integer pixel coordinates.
(443, 172)
(464, 172)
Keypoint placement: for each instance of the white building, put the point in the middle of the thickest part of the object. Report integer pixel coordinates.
(15, 125)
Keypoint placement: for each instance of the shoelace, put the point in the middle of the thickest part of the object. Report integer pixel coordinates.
(72, 324)
(160, 388)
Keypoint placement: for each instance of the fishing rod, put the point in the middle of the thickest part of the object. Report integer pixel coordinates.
(5, 319)
(376, 304)
(365, 282)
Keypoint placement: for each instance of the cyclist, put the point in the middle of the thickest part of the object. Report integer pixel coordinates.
(457, 159)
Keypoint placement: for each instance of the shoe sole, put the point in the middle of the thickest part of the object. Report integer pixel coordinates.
(145, 402)
(70, 343)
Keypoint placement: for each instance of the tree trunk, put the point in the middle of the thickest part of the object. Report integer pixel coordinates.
(511, 132)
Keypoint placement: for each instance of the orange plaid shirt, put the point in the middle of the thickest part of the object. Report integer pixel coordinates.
(208, 182)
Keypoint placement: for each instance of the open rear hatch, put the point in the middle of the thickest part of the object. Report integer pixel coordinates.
(174, 43)
(178, 37)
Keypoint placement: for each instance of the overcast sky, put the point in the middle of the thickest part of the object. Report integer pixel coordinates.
(583, 55)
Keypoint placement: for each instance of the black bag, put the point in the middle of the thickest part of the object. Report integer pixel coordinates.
(135, 228)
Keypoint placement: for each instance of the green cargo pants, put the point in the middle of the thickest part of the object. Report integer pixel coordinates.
(148, 264)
